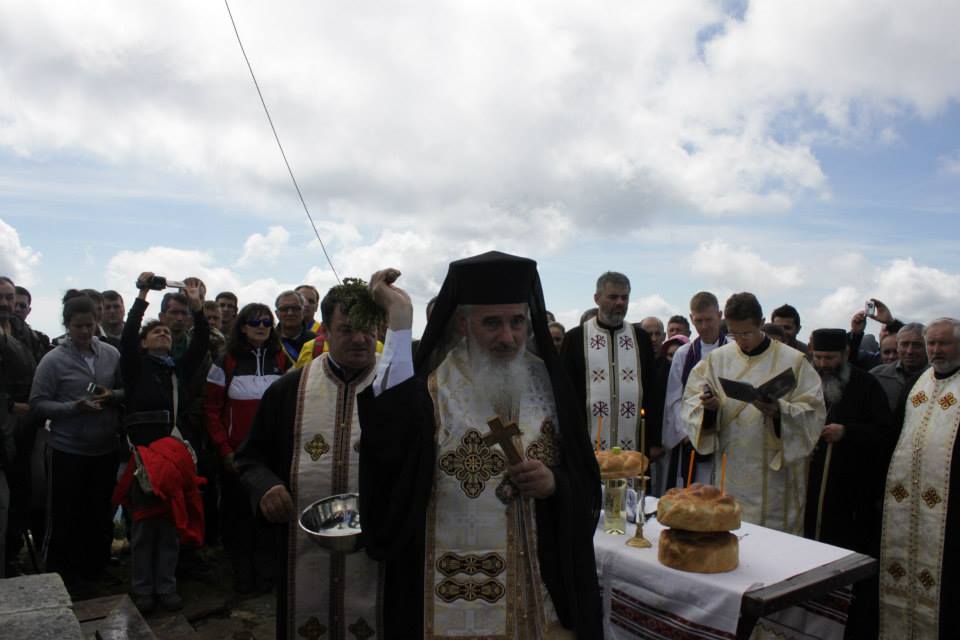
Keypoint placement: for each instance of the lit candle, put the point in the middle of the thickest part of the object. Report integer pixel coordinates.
(690, 471)
(599, 430)
(723, 472)
(643, 431)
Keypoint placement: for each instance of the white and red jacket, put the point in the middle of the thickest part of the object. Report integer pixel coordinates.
(235, 384)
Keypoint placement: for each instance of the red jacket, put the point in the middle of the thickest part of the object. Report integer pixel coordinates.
(173, 477)
(235, 385)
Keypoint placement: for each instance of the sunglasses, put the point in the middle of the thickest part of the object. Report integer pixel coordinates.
(262, 322)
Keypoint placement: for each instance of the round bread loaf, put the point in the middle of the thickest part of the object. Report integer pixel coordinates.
(621, 464)
(698, 552)
(698, 508)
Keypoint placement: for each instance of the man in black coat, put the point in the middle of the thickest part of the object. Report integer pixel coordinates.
(846, 473)
(622, 368)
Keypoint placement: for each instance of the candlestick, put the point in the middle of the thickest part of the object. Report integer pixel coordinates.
(638, 540)
(690, 470)
(723, 472)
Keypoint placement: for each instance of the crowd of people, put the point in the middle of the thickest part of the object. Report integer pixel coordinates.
(202, 425)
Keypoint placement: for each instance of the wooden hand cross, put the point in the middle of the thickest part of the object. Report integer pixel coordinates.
(503, 435)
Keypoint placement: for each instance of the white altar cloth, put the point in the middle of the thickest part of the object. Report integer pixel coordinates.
(705, 605)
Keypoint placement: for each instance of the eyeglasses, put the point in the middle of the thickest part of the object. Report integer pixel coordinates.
(262, 322)
(290, 309)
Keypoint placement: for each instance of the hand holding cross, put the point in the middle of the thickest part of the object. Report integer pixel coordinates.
(503, 435)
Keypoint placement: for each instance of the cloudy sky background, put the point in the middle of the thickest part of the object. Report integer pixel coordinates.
(809, 152)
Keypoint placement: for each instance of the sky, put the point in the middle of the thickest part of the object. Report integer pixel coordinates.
(808, 152)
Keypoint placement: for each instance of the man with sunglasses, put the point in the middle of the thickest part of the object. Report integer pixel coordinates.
(770, 439)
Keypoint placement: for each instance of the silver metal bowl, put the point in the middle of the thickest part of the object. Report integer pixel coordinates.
(334, 522)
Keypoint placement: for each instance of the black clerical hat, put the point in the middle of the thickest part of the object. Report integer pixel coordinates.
(489, 278)
(492, 278)
(828, 340)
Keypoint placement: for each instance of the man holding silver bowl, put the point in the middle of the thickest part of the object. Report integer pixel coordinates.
(304, 446)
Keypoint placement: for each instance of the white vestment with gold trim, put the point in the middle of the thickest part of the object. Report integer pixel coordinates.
(915, 511)
(334, 596)
(481, 571)
(767, 474)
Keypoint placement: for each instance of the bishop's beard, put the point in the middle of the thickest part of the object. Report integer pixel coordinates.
(834, 382)
(497, 382)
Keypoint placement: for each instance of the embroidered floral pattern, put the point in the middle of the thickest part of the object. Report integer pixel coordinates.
(926, 579)
(545, 448)
(627, 375)
(473, 463)
(316, 447)
(450, 590)
(899, 493)
(601, 408)
(506, 490)
(361, 630)
(598, 342)
(931, 497)
(312, 629)
(490, 564)
(599, 375)
(919, 399)
(628, 409)
(897, 571)
(947, 401)
(626, 343)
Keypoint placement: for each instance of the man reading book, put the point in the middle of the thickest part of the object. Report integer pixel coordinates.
(769, 439)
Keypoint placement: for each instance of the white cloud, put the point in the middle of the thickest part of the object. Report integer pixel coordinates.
(913, 292)
(651, 305)
(17, 262)
(537, 110)
(950, 162)
(835, 310)
(739, 268)
(918, 292)
(333, 233)
(264, 248)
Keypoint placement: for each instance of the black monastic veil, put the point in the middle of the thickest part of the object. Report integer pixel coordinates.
(393, 516)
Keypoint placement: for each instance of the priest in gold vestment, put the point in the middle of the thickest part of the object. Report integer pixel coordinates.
(484, 534)
(920, 544)
(304, 446)
(768, 442)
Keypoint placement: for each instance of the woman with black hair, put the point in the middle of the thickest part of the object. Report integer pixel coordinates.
(150, 379)
(235, 385)
(73, 388)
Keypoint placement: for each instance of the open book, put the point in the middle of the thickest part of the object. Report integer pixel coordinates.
(773, 389)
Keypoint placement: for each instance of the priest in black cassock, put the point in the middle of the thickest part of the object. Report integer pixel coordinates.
(845, 489)
(479, 541)
(304, 446)
(611, 364)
